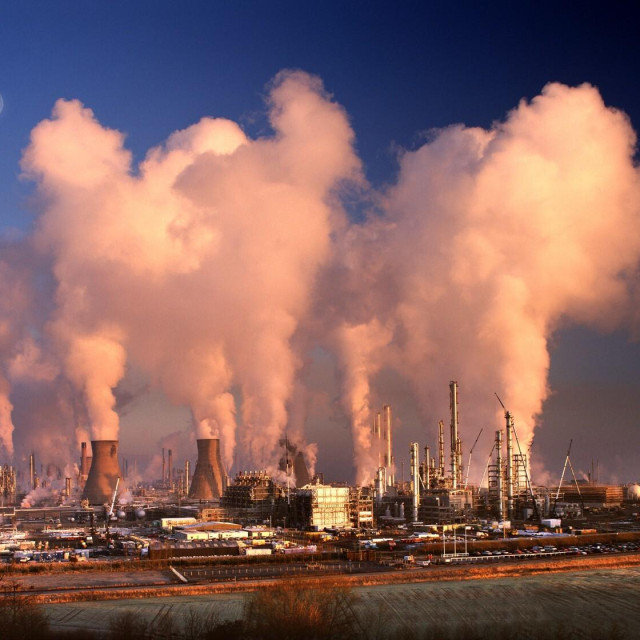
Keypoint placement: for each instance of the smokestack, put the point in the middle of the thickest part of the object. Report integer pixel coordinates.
(84, 463)
(104, 472)
(208, 479)
(441, 449)
(455, 446)
(427, 469)
(169, 472)
(509, 421)
(186, 476)
(32, 472)
(377, 432)
(164, 475)
(388, 460)
(499, 474)
(380, 483)
(415, 480)
(67, 487)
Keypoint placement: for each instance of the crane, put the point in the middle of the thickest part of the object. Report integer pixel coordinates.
(487, 465)
(526, 473)
(466, 481)
(567, 461)
(113, 501)
(109, 511)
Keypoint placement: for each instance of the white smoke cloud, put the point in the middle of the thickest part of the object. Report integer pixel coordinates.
(221, 262)
(199, 268)
(493, 239)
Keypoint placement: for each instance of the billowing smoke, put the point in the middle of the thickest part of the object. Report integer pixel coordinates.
(490, 241)
(23, 304)
(198, 266)
(359, 347)
(221, 262)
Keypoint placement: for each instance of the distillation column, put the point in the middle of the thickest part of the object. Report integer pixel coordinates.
(388, 460)
(377, 429)
(441, 450)
(456, 453)
(427, 469)
(415, 481)
(509, 424)
(500, 486)
(380, 484)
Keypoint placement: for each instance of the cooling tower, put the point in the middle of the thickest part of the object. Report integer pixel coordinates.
(208, 480)
(293, 459)
(104, 472)
(300, 470)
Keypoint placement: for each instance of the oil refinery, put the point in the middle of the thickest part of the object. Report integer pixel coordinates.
(207, 510)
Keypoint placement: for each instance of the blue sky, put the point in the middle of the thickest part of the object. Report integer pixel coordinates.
(399, 69)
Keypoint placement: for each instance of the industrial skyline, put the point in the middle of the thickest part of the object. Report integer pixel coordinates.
(259, 242)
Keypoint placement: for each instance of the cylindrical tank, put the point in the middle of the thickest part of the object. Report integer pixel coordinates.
(104, 472)
(633, 492)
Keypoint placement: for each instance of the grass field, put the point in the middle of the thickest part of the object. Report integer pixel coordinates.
(598, 603)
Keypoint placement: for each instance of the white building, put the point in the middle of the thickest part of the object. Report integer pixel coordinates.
(319, 506)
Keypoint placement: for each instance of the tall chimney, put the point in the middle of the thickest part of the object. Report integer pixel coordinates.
(186, 476)
(509, 421)
(415, 481)
(164, 475)
(453, 402)
(170, 463)
(83, 459)
(427, 469)
(209, 479)
(380, 483)
(499, 475)
(441, 449)
(104, 472)
(67, 487)
(32, 472)
(377, 432)
(388, 460)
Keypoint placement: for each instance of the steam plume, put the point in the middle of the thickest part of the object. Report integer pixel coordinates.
(494, 239)
(220, 262)
(199, 268)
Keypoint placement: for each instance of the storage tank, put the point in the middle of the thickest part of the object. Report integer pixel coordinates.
(633, 492)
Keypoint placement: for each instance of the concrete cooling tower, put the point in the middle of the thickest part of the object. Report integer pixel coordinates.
(293, 460)
(209, 480)
(104, 472)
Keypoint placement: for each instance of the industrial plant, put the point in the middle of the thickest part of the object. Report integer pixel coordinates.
(101, 504)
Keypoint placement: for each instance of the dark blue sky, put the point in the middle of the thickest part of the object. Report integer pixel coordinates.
(399, 68)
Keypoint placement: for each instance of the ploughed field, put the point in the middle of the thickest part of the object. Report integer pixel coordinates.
(592, 602)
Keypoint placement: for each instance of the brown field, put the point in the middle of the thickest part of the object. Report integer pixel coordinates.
(139, 584)
(583, 598)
